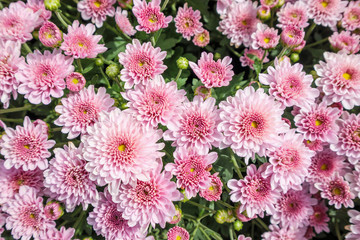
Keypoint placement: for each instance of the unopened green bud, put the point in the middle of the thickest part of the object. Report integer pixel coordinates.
(294, 57)
(223, 216)
(182, 63)
(280, 3)
(52, 5)
(112, 70)
(88, 238)
(238, 225)
(185, 197)
(99, 62)
(217, 56)
(314, 74)
(177, 216)
(123, 106)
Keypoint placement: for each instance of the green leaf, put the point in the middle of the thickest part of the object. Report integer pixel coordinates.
(114, 48)
(181, 82)
(257, 66)
(167, 43)
(200, 5)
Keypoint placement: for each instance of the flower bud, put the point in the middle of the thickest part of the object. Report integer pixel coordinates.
(264, 13)
(238, 225)
(178, 215)
(53, 210)
(182, 63)
(294, 57)
(99, 62)
(75, 81)
(112, 70)
(52, 5)
(203, 92)
(50, 35)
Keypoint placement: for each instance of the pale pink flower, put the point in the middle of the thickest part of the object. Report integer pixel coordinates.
(80, 41)
(251, 122)
(239, 22)
(292, 36)
(3, 217)
(195, 125)
(319, 219)
(43, 76)
(222, 5)
(187, 21)
(141, 62)
(26, 147)
(289, 84)
(243, 237)
(53, 210)
(316, 145)
(354, 179)
(149, 16)
(318, 122)
(39, 6)
(54, 234)
(212, 193)
(202, 39)
(246, 60)
(191, 170)
(154, 102)
(293, 14)
(10, 60)
(50, 35)
(213, 73)
(288, 233)
(354, 233)
(264, 13)
(96, 10)
(82, 109)
(178, 215)
(176, 233)
(265, 37)
(75, 82)
(17, 22)
(345, 42)
(254, 192)
(121, 19)
(149, 201)
(351, 19)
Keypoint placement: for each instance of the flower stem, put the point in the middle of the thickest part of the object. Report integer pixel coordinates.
(262, 224)
(14, 120)
(118, 32)
(337, 230)
(231, 232)
(78, 62)
(233, 51)
(205, 234)
(152, 39)
(18, 109)
(236, 166)
(309, 31)
(27, 48)
(164, 5)
(316, 43)
(61, 19)
(1, 6)
(200, 206)
(178, 75)
(224, 204)
(105, 77)
(58, 129)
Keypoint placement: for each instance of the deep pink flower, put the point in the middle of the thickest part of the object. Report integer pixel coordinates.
(265, 37)
(345, 42)
(39, 6)
(288, 233)
(319, 219)
(292, 36)
(50, 35)
(213, 73)
(176, 233)
(54, 234)
(96, 10)
(121, 19)
(75, 82)
(141, 62)
(293, 14)
(202, 39)
(246, 60)
(355, 226)
(187, 21)
(82, 109)
(212, 193)
(351, 19)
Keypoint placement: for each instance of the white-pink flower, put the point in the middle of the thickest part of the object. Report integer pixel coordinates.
(187, 21)
(122, 20)
(265, 37)
(345, 41)
(96, 10)
(293, 14)
(351, 19)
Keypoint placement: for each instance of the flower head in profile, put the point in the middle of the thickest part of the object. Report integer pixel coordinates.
(202, 39)
(187, 21)
(292, 36)
(214, 191)
(351, 19)
(345, 42)
(176, 233)
(122, 20)
(354, 233)
(96, 10)
(50, 34)
(293, 14)
(319, 219)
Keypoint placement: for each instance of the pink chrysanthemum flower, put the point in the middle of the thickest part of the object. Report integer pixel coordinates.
(10, 60)
(239, 23)
(26, 215)
(289, 163)
(154, 102)
(319, 219)
(345, 42)
(289, 84)
(195, 125)
(187, 21)
(109, 222)
(54, 234)
(292, 36)
(288, 233)
(337, 191)
(317, 122)
(82, 109)
(121, 19)
(265, 37)
(293, 14)
(178, 233)
(75, 82)
(68, 181)
(43, 76)
(3, 217)
(202, 39)
(141, 62)
(50, 35)
(247, 61)
(351, 19)
(12, 179)
(39, 6)
(149, 16)
(96, 10)
(149, 201)
(354, 179)
(53, 210)
(125, 149)
(339, 79)
(191, 170)
(26, 147)
(251, 122)
(326, 12)
(203, 92)
(17, 22)
(254, 192)
(80, 42)
(222, 5)
(178, 215)
(213, 192)
(213, 73)
(316, 145)
(355, 226)
(243, 237)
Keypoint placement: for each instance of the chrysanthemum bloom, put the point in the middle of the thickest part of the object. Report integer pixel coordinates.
(251, 122)
(149, 16)
(242, 216)
(355, 225)
(213, 73)
(289, 84)
(109, 222)
(265, 37)
(178, 233)
(39, 6)
(326, 12)
(178, 215)
(264, 13)
(345, 42)
(54, 234)
(318, 122)
(17, 22)
(149, 201)
(213, 192)
(195, 125)
(3, 217)
(50, 35)
(254, 192)
(53, 210)
(292, 36)
(68, 181)
(26, 147)
(293, 14)
(319, 219)
(96, 10)
(247, 61)
(141, 62)
(202, 39)
(242, 237)
(125, 149)
(287, 233)
(154, 102)
(75, 82)
(239, 22)
(203, 92)
(80, 42)
(43, 76)
(337, 191)
(269, 3)
(316, 145)
(121, 19)
(26, 215)
(222, 5)
(191, 170)
(10, 60)
(354, 179)
(339, 78)
(187, 21)
(82, 109)
(289, 163)
(351, 19)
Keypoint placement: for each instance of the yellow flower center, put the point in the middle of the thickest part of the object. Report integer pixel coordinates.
(346, 76)
(336, 191)
(192, 170)
(32, 215)
(324, 4)
(81, 44)
(201, 38)
(75, 81)
(263, 11)
(122, 148)
(267, 40)
(294, 15)
(178, 238)
(254, 124)
(97, 4)
(290, 35)
(20, 182)
(48, 35)
(308, 141)
(211, 188)
(141, 63)
(244, 22)
(27, 146)
(318, 122)
(153, 18)
(353, 17)
(324, 167)
(85, 112)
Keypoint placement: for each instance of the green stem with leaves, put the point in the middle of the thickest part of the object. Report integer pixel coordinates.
(337, 229)
(236, 166)
(233, 51)
(78, 62)
(61, 19)
(178, 75)
(309, 31)
(13, 120)
(262, 224)
(105, 77)
(118, 32)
